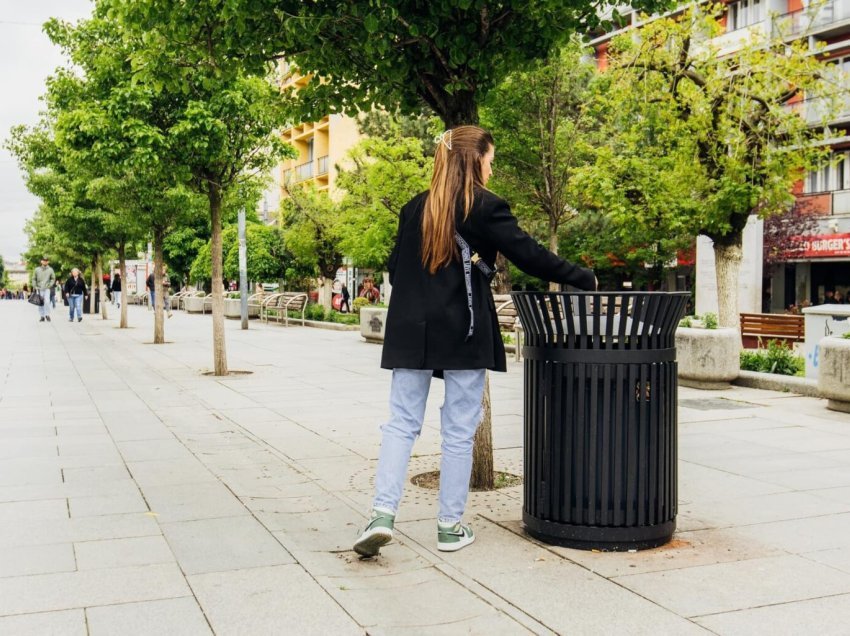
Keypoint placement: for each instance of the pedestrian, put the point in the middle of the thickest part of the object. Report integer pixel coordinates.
(149, 285)
(345, 305)
(42, 281)
(116, 289)
(370, 292)
(442, 322)
(75, 291)
(166, 286)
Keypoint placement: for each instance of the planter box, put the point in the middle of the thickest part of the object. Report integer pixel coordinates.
(834, 373)
(233, 309)
(373, 321)
(708, 358)
(193, 304)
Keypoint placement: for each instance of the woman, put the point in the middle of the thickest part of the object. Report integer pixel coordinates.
(116, 289)
(75, 291)
(442, 321)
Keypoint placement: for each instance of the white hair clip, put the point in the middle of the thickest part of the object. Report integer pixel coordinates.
(445, 139)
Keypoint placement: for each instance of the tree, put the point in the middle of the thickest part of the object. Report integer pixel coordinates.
(544, 136)
(387, 172)
(782, 233)
(408, 54)
(312, 232)
(267, 257)
(732, 122)
(223, 126)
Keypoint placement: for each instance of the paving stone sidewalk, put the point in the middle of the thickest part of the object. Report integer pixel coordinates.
(138, 496)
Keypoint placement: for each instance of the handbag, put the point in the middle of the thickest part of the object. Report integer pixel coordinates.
(35, 298)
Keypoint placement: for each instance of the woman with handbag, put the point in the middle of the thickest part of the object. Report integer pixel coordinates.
(442, 321)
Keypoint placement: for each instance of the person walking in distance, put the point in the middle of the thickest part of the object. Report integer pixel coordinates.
(42, 281)
(442, 322)
(75, 291)
(166, 287)
(116, 289)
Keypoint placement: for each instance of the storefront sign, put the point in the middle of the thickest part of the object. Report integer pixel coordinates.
(820, 246)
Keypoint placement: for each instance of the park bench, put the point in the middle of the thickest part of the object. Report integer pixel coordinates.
(175, 298)
(278, 306)
(758, 329)
(508, 320)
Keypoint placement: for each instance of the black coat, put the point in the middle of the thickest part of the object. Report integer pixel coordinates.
(428, 317)
(75, 287)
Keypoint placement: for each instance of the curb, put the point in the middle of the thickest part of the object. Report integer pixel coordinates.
(774, 382)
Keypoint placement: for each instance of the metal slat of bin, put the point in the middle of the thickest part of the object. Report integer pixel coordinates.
(600, 411)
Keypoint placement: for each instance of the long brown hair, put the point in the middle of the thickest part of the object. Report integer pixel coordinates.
(457, 172)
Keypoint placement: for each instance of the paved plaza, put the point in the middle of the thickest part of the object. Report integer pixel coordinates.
(139, 496)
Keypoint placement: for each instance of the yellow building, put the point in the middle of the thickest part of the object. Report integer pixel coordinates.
(321, 145)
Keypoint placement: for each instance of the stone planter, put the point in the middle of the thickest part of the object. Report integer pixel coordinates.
(708, 358)
(834, 373)
(233, 309)
(373, 321)
(193, 304)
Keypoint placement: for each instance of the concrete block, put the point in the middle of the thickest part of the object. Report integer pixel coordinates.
(708, 358)
(834, 373)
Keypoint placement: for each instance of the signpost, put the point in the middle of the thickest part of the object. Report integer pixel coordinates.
(243, 269)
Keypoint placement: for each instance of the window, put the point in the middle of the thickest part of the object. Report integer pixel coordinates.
(744, 13)
(832, 177)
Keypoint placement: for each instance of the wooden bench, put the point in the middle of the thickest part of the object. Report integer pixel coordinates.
(508, 320)
(758, 329)
(278, 306)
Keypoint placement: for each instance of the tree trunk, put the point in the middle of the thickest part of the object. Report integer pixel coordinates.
(93, 286)
(503, 275)
(727, 264)
(158, 289)
(101, 287)
(553, 247)
(458, 109)
(326, 293)
(122, 267)
(483, 476)
(219, 347)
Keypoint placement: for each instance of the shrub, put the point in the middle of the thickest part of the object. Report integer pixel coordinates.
(314, 312)
(709, 321)
(778, 358)
(358, 303)
(846, 336)
(687, 322)
(507, 338)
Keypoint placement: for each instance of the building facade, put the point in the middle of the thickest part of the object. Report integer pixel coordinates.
(821, 263)
(322, 145)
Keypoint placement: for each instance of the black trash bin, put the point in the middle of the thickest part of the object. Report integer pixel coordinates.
(87, 306)
(600, 402)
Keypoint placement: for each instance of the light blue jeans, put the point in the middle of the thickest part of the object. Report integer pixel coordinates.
(459, 419)
(75, 304)
(44, 308)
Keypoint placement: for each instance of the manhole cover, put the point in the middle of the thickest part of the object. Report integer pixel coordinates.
(716, 404)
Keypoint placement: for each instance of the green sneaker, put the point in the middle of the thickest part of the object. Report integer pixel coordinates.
(453, 537)
(378, 533)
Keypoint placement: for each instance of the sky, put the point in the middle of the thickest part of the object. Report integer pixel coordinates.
(27, 57)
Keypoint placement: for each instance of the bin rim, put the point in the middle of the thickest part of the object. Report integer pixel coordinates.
(600, 293)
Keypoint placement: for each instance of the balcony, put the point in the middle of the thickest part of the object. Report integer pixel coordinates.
(832, 16)
(819, 111)
(323, 165)
(307, 170)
